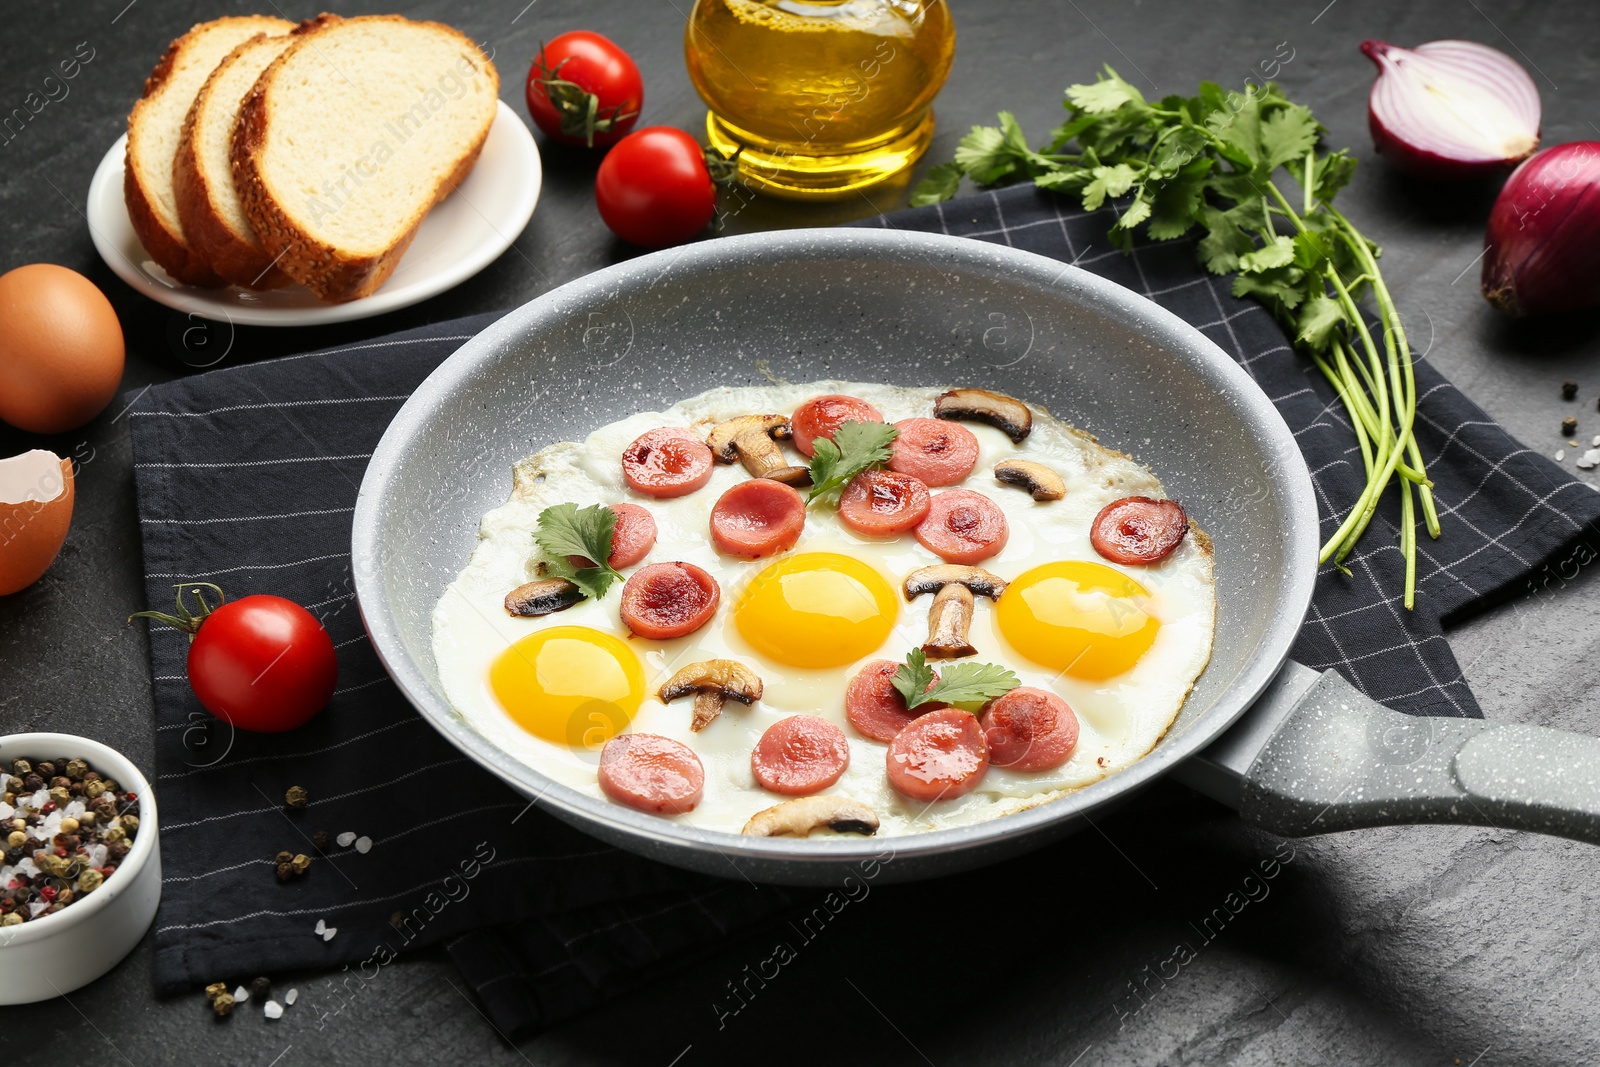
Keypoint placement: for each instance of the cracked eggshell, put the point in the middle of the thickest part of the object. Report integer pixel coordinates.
(36, 495)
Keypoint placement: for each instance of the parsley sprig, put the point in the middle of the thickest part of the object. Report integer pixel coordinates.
(855, 447)
(961, 683)
(1213, 161)
(568, 530)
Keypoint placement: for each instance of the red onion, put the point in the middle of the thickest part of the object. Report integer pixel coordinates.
(1543, 242)
(1451, 109)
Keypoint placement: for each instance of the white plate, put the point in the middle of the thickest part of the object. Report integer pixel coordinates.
(461, 236)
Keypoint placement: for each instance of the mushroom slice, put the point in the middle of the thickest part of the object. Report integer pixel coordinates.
(1005, 413)
(956, 588)
(543, 597)
(932, 579)
(713, 682)
(1040, 481)
(805, 814)
(753, 440)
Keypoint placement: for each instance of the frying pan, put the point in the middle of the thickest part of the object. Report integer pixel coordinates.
(1294, 750)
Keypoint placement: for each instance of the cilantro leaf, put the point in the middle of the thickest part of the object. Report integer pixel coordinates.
(855, 447)
(1332, 173)
(940, 184)
(961, 683)
(1138, 210)
(1278, 252)
(1108, 93)
(568, 530)
(1224, 241)
(1177, 203)
(1108, 181)
(1317, 320)
(1280, 288)
(1287, 135)
(983, 155)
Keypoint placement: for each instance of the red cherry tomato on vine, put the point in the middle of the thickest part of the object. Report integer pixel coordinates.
(653, 188)
(571, 69)
(261, 663)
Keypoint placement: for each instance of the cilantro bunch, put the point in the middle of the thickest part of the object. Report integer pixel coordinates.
(1214, 162)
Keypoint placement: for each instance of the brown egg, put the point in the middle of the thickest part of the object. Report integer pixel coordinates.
(60, 349)
(36, 493)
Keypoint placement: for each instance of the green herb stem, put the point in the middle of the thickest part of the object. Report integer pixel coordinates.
(1211, 160)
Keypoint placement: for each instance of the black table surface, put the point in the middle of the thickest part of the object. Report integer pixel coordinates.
(1401, 946)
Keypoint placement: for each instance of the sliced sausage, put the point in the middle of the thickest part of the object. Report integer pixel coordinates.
(878, 503)
(800, 755)
(1137, 529)
(938, 756)
(631, 539)
(937, 452)
(1029, 730)
(757, 518)
(667, 600)
(651, 773)
(875, 707)
(821, 415)
(963, 527)
(666, 462)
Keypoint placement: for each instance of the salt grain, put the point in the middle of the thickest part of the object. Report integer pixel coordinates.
(291, 996)
(1596, 441)
(363, 845)
(1589, 460)
(327, 935)
(241, 995)
(321, 926)
(272, 1009)
(345, 838)
(1561, 454)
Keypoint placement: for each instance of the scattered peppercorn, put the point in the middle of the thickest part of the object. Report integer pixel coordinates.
(296, 797)
(283, 871)
(1569, 390)
(1569, 426)
(215, 990)
(321, 840)
(222, 1004)
(300, 864)
(260, 988)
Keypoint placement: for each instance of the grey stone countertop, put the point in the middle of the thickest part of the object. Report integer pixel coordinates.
(1433, 945)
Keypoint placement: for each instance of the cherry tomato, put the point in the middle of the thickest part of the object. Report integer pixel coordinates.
(262, 663)
(653, 188)
(571, 69)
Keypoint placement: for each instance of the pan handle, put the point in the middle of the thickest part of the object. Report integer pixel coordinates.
(1315, 755)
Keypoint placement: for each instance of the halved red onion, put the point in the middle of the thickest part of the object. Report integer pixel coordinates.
(1451, 109)
(1543, 241)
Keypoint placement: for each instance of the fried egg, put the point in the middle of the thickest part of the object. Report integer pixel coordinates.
(1122, 645)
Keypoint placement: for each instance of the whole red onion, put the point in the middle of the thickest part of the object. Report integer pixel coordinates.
(1451, 109)
(1543, 242)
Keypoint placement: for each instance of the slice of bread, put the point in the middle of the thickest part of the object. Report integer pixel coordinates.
(155, 127)
(350, 137)
(202, 177)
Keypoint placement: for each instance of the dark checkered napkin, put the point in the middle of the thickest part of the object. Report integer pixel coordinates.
(247, 476)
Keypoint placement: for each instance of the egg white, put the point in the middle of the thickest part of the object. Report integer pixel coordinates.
(1120, 718)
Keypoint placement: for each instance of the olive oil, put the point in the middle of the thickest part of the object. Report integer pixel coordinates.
(819, 97)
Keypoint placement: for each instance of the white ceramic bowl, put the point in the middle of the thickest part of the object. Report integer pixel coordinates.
(55, 954)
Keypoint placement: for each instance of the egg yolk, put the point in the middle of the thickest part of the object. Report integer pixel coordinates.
(816, 609)
(569, 684)
(1082, 619)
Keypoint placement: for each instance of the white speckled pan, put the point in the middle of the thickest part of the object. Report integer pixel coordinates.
(913, 308)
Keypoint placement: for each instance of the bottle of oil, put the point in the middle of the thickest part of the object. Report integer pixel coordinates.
(819, 97)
